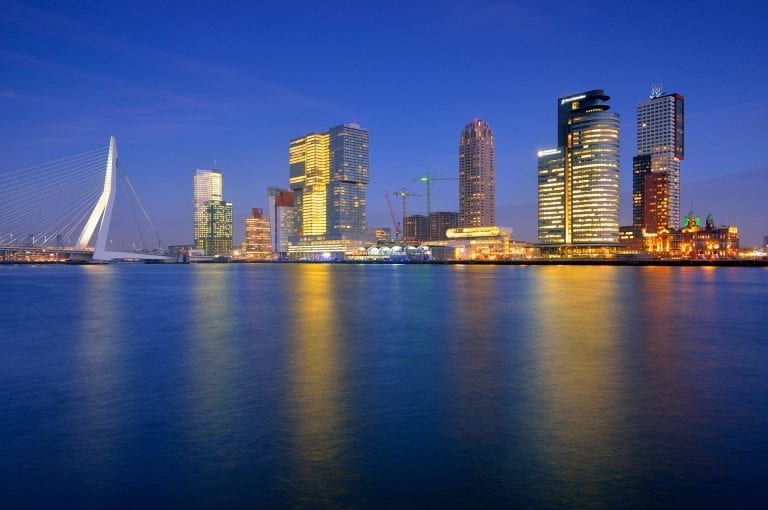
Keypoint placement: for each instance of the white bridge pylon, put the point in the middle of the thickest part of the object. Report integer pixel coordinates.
(102, 215)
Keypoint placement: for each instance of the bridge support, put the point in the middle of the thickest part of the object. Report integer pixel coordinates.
(102, 215)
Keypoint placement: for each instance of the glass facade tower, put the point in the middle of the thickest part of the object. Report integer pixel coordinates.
(329, 173)
(217, 234)
(349, 163)
(551, 184)
(207, 185)
(578, 182)
(309, 162)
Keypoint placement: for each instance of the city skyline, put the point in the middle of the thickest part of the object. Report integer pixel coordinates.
(215, 104)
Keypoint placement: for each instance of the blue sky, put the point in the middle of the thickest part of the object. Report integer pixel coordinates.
(184, 84)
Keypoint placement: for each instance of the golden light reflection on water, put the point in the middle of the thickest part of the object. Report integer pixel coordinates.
(318, 410)
(578, 371)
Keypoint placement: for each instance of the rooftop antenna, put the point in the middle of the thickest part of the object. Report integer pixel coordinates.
(656, 90)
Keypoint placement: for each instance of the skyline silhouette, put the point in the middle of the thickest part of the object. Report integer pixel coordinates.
(235, 85)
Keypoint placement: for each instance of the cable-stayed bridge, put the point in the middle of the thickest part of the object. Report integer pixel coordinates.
(63, 210)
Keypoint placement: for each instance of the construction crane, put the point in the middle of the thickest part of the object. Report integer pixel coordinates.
(427, 179)
(403, 193)
(395, 223)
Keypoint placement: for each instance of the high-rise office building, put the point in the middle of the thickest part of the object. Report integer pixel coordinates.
(415, 228)
(328, 176)
(578, 181)
(258, 245)
(656, 201)
(207, 186)
(217, 228)
(660, 148)
(650, 196)
(477, 178)
(309, 161)
(439, 223)
(281, 219)
(349, 161)
(551, 182)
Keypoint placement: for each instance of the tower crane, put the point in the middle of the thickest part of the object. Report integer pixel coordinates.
(427, 179)
(395, 223)
(403, 193)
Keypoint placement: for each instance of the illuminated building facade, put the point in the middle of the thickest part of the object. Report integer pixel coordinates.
(258, 245)
(660, 148)
(481, 243)
(578, 181)
(207, 185)
(477, 178)
(695, 241)
(551, 196)
(310, 171)
(217, 229)
(439, 222)
(329, 173)
(281, 219)
(383, 234)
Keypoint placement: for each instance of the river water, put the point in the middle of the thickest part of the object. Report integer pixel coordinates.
(396, 386)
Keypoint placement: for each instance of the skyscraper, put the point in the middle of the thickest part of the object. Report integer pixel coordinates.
(309, 161)
(328, 175)
(650, 196)
(207, 186)
(217, 231)
(281, 219)
(660, 148)
(257, 235)
(477, 178)
(578, 180)
(349, 158)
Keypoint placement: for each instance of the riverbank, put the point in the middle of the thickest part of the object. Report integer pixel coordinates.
(529, 262)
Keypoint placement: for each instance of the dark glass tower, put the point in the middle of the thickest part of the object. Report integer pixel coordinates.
(349, 164)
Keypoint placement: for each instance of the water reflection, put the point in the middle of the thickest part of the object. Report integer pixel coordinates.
(212, 371)
(581, 417)
(99, 383)
(318, 414)
(476, 343)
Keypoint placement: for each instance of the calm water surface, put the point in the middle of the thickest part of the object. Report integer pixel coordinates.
(383, 386)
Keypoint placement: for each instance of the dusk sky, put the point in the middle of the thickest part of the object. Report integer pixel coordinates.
(182, 85)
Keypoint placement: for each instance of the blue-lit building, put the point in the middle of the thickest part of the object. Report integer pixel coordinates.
(349, 164)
